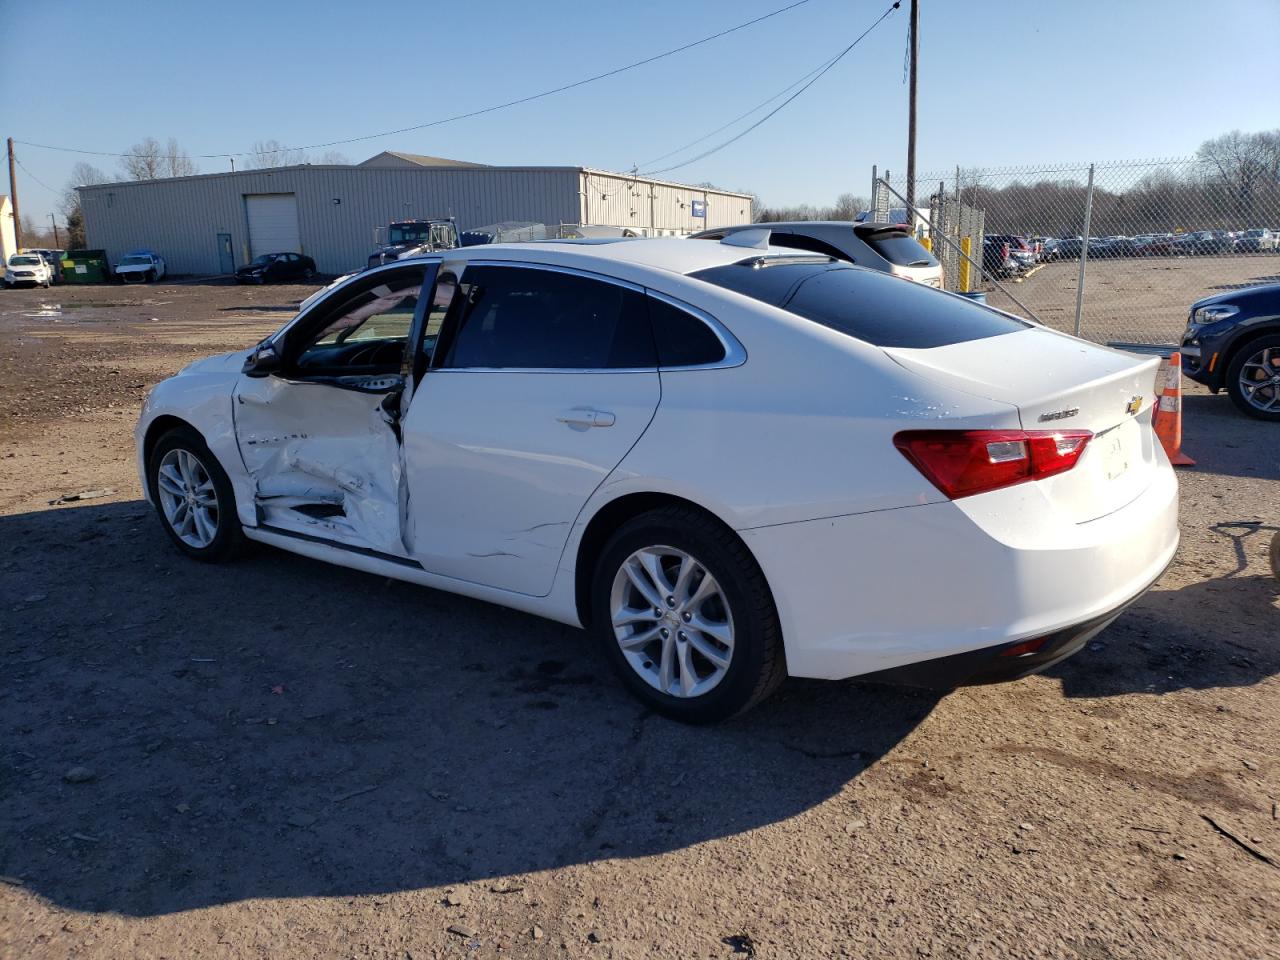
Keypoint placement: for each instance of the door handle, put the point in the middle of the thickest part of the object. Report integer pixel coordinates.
(583, 417)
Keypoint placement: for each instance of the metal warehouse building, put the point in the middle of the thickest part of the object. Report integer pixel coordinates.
(213, 223)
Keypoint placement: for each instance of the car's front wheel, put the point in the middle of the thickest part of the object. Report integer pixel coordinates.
(1253, 378)
(193, 497)
(684, 614)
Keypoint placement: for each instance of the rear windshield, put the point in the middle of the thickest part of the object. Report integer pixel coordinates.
(881, 309)
(898, 247)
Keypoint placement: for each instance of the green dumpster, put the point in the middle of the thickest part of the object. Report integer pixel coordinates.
(86, 266)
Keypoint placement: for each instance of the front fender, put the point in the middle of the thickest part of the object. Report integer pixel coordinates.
(203, 401)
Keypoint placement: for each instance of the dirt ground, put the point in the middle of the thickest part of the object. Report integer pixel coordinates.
(1133, 300)
(280, 758)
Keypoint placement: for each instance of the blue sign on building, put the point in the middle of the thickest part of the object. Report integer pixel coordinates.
(700, 208)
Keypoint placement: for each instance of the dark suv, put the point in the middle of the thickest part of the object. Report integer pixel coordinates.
(1232, 341)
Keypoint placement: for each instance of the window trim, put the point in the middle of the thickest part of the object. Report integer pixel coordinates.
(734, 353)
(279, 338)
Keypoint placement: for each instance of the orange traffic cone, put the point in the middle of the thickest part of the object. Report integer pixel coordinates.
(1167, 416)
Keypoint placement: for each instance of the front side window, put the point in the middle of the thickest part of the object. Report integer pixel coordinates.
(364, 325)
(516, 317)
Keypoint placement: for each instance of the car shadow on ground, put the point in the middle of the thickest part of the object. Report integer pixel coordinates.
(1153, 649)
(279, 727)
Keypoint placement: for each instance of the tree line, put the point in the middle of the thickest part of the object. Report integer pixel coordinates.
(1232, 183)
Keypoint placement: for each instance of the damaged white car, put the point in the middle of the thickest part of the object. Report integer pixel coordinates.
(730, 461)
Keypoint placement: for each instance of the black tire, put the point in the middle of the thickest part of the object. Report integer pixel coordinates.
(308, 274)
(151, 276)
(1275, 556)
(758, 664)
(228, 541)
(1238, 360)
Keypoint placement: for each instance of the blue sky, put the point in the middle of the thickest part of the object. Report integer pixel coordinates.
(1031, 82)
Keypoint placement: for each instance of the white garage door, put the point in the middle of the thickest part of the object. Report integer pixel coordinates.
(273, 223)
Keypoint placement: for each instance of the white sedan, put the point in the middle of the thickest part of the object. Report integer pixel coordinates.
(730, 461)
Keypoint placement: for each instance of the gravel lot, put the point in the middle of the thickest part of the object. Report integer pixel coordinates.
(1134, 300)
(281, 758)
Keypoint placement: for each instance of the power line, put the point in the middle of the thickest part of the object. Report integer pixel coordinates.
(741, 116)
(35, 178)
(471, 113)
(736, 137)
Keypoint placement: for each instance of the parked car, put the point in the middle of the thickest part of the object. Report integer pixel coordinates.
(140, 266)
(1020, 249)
(1232, 342)
(730, 461)
(277, 268)
(28, 267)
(880, 246)
(53, 258)
(1257, 241)
(1069, 248)
(997, 259)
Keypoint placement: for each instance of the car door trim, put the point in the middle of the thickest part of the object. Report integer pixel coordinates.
(338, 544)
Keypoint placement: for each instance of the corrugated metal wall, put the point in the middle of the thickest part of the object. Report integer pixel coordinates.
(657, 206)
(181, 218)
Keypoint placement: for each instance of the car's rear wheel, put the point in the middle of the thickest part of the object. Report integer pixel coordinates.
(1253, 378)
(193, 497)
(308, 274)
(683, 612)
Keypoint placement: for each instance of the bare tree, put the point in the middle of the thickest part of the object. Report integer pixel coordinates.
(178, 162)
(82, 174)
(37, 234)
(848, 206)
(1243, 163)
(148, 160)
(335, 158)
(143, 160)
(273, 153)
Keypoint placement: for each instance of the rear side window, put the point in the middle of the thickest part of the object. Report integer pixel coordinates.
(898, 247)
(876, 307)
(683, 340)
(530, 318)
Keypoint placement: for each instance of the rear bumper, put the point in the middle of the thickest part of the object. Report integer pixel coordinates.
(872, 592)
(1005, 662)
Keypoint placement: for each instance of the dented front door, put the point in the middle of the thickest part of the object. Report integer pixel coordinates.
(325, 461)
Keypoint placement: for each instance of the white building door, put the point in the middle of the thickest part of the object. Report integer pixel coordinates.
(273, 223)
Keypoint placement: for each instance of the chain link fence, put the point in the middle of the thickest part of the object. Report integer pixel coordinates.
(1115, 252)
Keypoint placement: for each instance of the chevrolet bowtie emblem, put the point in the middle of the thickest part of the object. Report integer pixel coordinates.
(1134, 405)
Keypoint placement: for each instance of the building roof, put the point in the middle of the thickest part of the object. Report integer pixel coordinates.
(395, 158)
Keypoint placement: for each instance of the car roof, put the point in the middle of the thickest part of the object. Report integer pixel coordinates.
(671, 254)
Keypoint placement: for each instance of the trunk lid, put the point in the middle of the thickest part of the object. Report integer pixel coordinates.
(1059, 382)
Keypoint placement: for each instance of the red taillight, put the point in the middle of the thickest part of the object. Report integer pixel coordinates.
(961, 463)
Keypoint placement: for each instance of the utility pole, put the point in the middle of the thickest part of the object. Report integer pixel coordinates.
(914, 53)
(13, 199)
(57, 241)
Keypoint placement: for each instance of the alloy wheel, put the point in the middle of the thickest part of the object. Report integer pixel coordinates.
(188, 498)
(672, 621)
(1260, 380)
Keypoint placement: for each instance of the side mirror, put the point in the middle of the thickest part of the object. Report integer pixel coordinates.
(263, 362)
